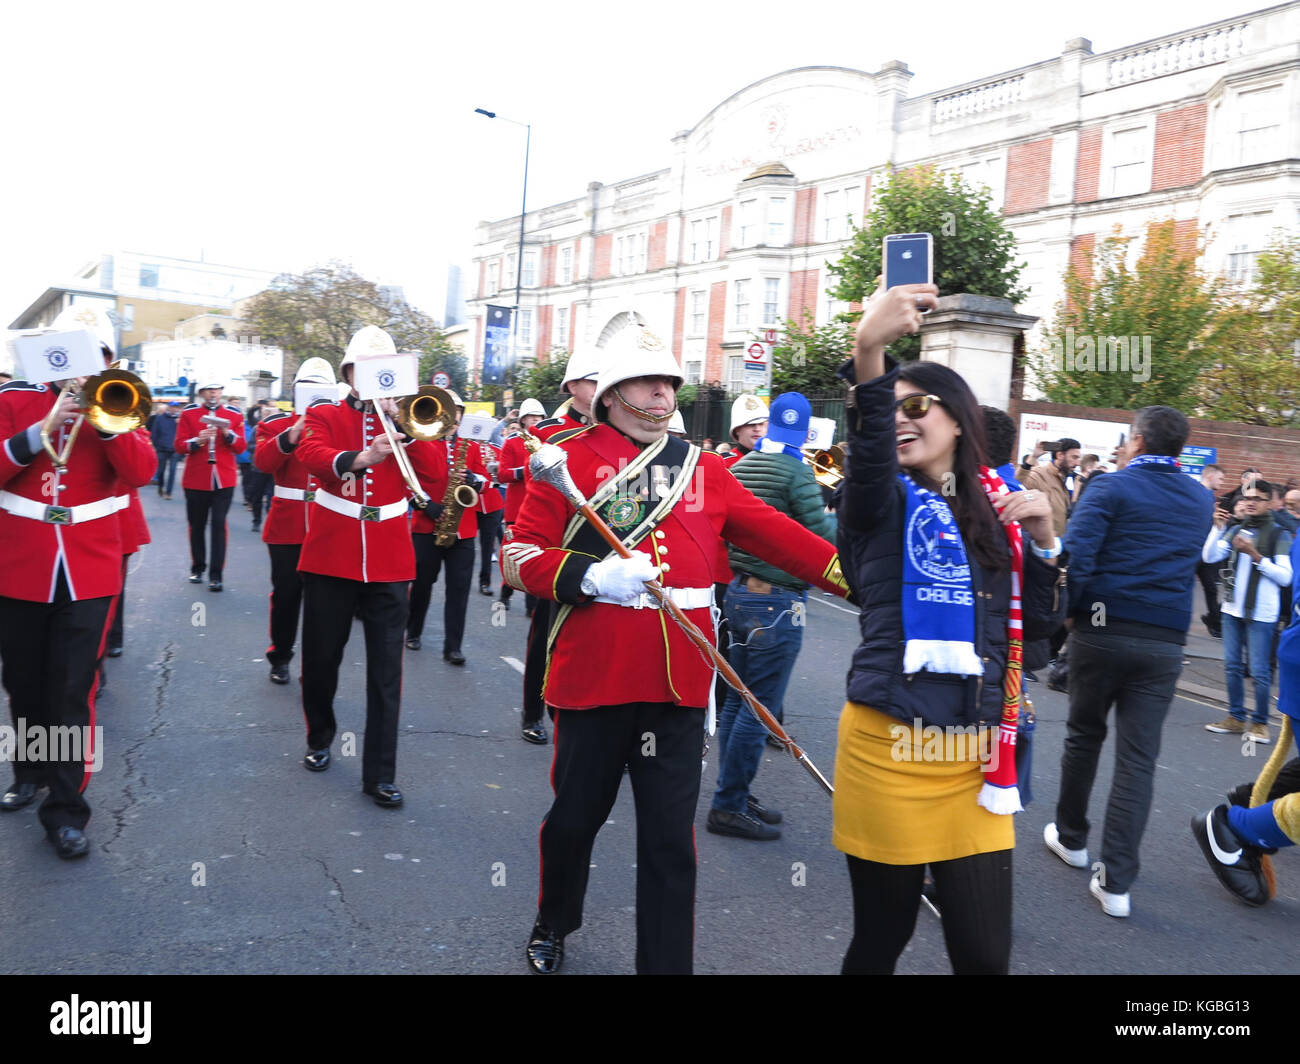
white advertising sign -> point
(1095, 437)
(57, 356)
(476, 426)
(821, 433)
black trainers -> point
(757, 809)
(740, 826)
(1238, 865)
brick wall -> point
(724, 234)
(1029, 170)
(1275, 451)
(577, 259)
(1087, 167)
(805, 201)
(545, 316)
(657, 251)
(803, 294)
(717, 316)
(1180, 147)
(1185, 235)
(600, 260)
(866, 197)
(679, 319)
(482, 280)
(548, 265)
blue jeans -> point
(1256, 637)
(166, 476)
(766, 636)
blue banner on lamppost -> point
(496, 345)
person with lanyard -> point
(1255, 557)
(952, 571)
(580, 376)
(275, 455)
(59, 523)
(457, 554)
(619, 670)
(357, 558)
(210, 435)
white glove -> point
(621, 579)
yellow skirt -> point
(906, 795)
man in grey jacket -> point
(766, 612)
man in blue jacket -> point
(1133, 544)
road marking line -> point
(514, 663)
(831, 605)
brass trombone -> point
(114, 401)
(427, 415)
(828, 465)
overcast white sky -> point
(280, 135)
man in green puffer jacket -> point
(765, 611)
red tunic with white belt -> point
(513, 472)
(290, 505)
(360, 529)
(200, 474)
(51, 517)
(444, 457)
(607, 654)
(490, 500)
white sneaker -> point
(1074, 858)
(1111, 904)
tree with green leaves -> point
(974, 251)
(809, 357)
(542, 381)
(1132, 336)
(1256, 378)
(316, 314)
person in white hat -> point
(748, 426)
(209, 477)
(677, 426)
(617, 674)
(275, 453)
(63, 542)
(357, 557)
(580, 376)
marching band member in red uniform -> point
(278, 436)
(748, 426)
(134, 530)
(491, 509)
(513, 473)
(357, 553)
(580, 377)
(458, 556)
(209, 477)
(61, 525)
(672, 505)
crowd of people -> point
(969, 571)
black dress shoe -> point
(740, 826)
(18, 796)
(535, 733)
(316, 760)
(196, 578)
(114, 652)
(413, 643)
(280, 674)
(545, 950)
(453, 656)
(215, 585)
(484, 589)
(69, 843)
(767, 816)
(384, 794)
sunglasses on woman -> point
(915, 407)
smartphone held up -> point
(908, 258)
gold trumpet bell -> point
(429, 414)
(116, 401)
(828, 465)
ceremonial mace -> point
(551, 465)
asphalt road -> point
(214, 851)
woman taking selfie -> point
(945, 564)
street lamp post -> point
(523, 214)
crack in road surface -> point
(131, 755)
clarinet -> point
(212, 443)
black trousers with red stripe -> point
(50, 653)
(660, 744)
(200, 506)
(286, 600)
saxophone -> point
(456, 500)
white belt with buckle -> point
(21, 506)
(297, 494)
(359, 511)
(685, 598)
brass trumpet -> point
(828, 465)
(114, 401)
